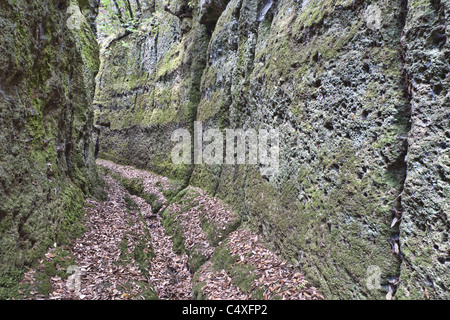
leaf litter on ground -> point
(110, 271)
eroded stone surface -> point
(359, 93)
(47, 75)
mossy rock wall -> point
(147, 87)
(426, 222)
(47, 74)
(344, 83)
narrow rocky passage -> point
(150, 240)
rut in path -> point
(189, 249)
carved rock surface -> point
(359, 93)
(47, 73)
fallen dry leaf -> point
(108, 270)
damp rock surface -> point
(358, 91)
(47, 73)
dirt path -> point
(141, 245)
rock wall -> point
(358, 91)
(47, 73)
(425, 226)
(148, 86)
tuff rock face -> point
(47, 73)
(424, 229)
(359, 93)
